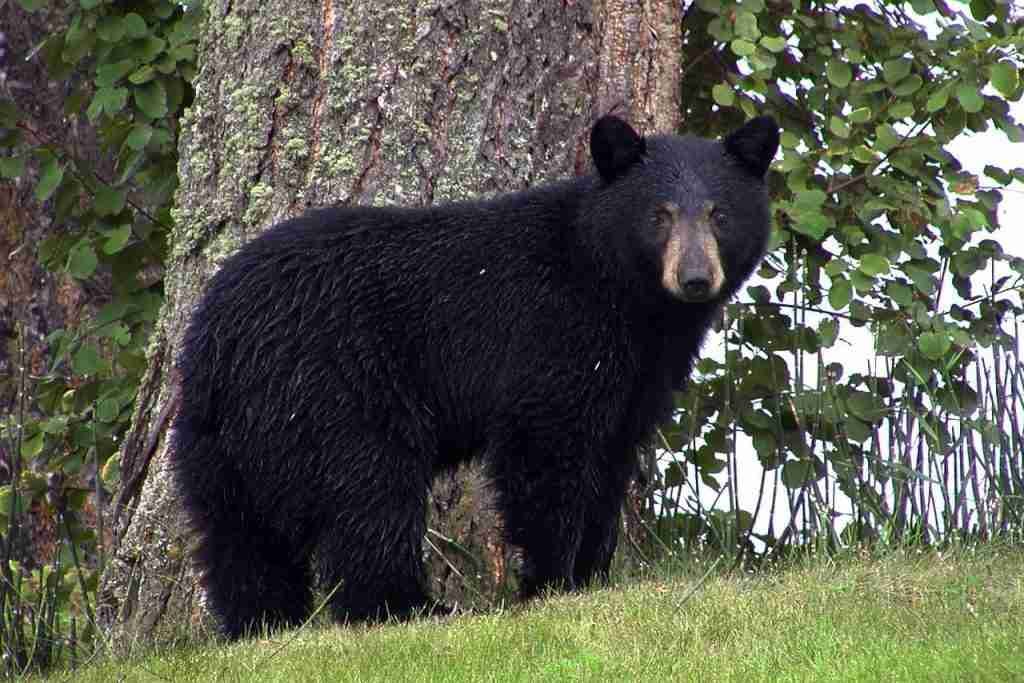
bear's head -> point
(685, 214)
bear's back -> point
(453, 311)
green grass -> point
(904, 617)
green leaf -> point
(862, 283)
(49, 178)
(922, 278)
(110, 73)
(934, 345)
(864, 155)
(7, 499)
(895, 70)
(720, 29)
(967, 262)
(86, 361)
(840, 294)
(112, 311)
(873, 264)
(91, 4)
(723, 94)
(31, 447)
(151, 98)
(839, 127)
(79, 40)
(788, 140)
(836, 266)
(867, 406)
(120, 334)
(892, 339)
(981, 9)
(108, 200)
(900, 293)
(970, 98)
(11, 167)
(796, 473)
(746, 25)
(142, 75)
(839, 73)
(902, 110)
(109, 100)
(810, 200)
(1005, 78)
(107, 410)
(111, 472)
(184, 53)
(908, 86)
(147, 49)
(761, 60)
(135, 26)
(976, 218)
(808, 218)
(812, 224)
(828, 331)
(139, 136)
(886, 137)
(938, 100)
(765, 444)
(110, 29)
(117, 239)
(860, 115)
(32, 5)
(773, 44)
(742, 48)
(82, 260)
(997, 174)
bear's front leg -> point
(550, 542)
(603, 516)
(542, 496)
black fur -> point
(342, 359)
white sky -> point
(978, 150)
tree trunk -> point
(303, 104)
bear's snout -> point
(697, 289)
(691, 265)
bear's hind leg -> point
(369, 558)
(253, 578)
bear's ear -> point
(615, 146)
(754, 144)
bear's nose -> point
(697, 289)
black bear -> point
(342, 359)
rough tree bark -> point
(303, 104)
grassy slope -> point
(925, 617)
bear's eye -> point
(664, 215)
(718, 217)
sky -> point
(992, 147)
